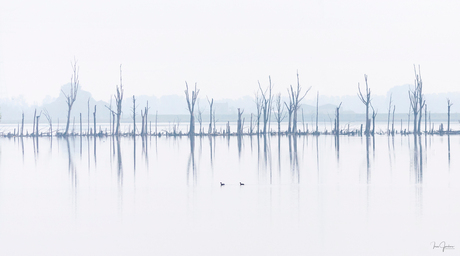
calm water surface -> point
(161, 196)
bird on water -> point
(222, 183)
(241, 183)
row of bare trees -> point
(265, 101)
(267, 105)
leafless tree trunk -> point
(33, 126)
(366, 101)
(337, 118)
(240, 123)
(317, 108)
(94, 120)
(258, 102)
(210, 116)
(290, 109)
(146, 113)
(22, 125)
(425, 118)
(389, 110)
(295, 99)
(266, 101)
(36, 127)
(72, 96)
(118, 101)
(156, 122)
(279, 114)
(393, 122)
(251, 125)
(200, 116)
(449, 104)
(134, 116)
(88, 116)
(48, 117)
(416, 101)
(374, 114)
(142, 123)
(191, 100)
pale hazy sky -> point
(226, 46)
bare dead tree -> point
(417, 101)
(156, 123)
(88, 115)
(317, 108)
(251, 125)
(22, 124)
(366, 100)
(36, 127)
(425, 118)
(393, 122)
(118, 101)
(449, 104)
(258, 101)
(142, 123)
(33, 126)
(279, 113)
(240, 122)
(389, 110)
(289, 109)
(191, 100)
(94, 120)
(211, 102)
(50, 122)
(200, 115)
(134, 116)
(72, 96)
(146, 113)
(374, 114)
(295, 99)
(337, 119)
(266, 102)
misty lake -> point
(302, 195)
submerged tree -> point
(449, 104)
(366, 100)
(294, 102)
(258, 101)
(279, 111)
(337, 119)
(239, 128)
(118, 101)
(211, 102)
(389, 110)
(266, 103)
(72, 95)
(191, 100)
(417, 101)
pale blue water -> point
(98, 197)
